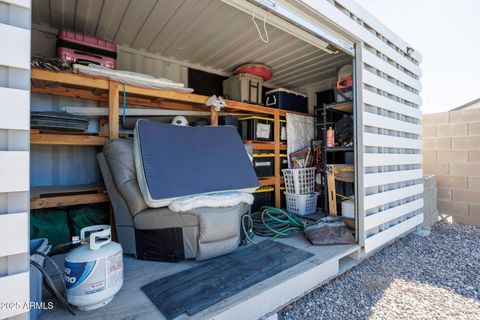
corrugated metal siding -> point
(206, 33)
(392, 200)
(14, 156)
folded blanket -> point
(213, 200)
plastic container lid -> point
(287, 91)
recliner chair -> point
(159, 233)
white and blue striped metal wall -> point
(388, 99)
(14, 156)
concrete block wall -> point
(451, 151)
(430, 210)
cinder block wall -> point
(451, 151)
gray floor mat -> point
(200, 287)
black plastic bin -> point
(286, 100)
(263, 197)
(263, 164)
(283, 198)
(256, 128)
(283, 163)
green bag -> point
(82, 217)
(51, 224)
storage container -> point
(345, 84)
(283, 162)
(302, 204)
(36, 278)
(75, 47)
(263, 197)
(228, 121)
(283, 130)
(283, 200)
(348, 209)
(256, 128)
(263, 164)
(244, 88)
(286, 100)
(299, 181)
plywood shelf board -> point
(57, 196)
(110, 95)
(67, 139)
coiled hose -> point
(271, 222)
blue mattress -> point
(175, 161)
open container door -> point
(387, 99)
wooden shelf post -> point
(276, 148)
(213, 116)
(113, 109)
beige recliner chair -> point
(159, 233)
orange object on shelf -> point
(330, 137)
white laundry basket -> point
(302, 204)
(299, 181)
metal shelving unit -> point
(323, 113)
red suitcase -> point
(75, 47)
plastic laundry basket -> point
(299, 181)
(302, 204)
(36, 278)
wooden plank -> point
(276, 150)
(66, 139)
(113, 109)
(382, 217)
(43, 191)
(69, 200)
(14, 171)
(270, 181)
(15, 289)
(378, 199)
(331, 191)
(15, 233)
(70, 78)
(213, 116)
(15, 109)
(383, 237)
(267, 145)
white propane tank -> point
(94, 271)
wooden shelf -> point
(58, 196)
(80, 86)
(341, 106)
(339, 149)
(61, 139)
(110, 94)
(265, 145)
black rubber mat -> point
(200, 287)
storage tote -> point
(299, 181)
(263, 164)
(283, 162)
(244, 88)
(302, 204)
(283, 130)
(256, 128)
(262, 197)
(286, 100)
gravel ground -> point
(433, 277)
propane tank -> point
(94, 271)
(330, 137)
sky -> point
(447, 34)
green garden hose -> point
(272, 222)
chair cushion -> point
(176, 161)
(119, 155)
